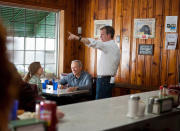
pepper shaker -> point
(150, 105)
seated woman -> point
(34, 74)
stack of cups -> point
(55, 85)
(46, 82)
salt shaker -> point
(141, 109)
(133, 104)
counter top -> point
(105, 114)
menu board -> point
(145, 49)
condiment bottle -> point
(133, 104)
(165, 91)
(160, 91)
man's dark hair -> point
(109, 30)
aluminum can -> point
(48, 113)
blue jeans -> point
(103, 88)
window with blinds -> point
(32, 36)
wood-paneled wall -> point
(149, 71)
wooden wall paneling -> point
(148, 58)
(87, 33)
(164, 52)
(110, 9)
(140, 64)
(157, 44)
(69, 51)
(96, 8)
(163, 60)
(80, 13)
(102, 8)
(93, 53)
(117, 27)
(121, 36)
(126, 35)
(134, 47)
(172, 70)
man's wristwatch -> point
(80, 38)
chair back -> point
(28, 97)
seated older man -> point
(78, 79)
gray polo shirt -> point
(84, 82)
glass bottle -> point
(160, 91)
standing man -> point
(108, 61)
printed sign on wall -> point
(171, 24)
(144, 28)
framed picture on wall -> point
(146, 49)
(144, 28)
(98, 24)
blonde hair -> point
(32, 70)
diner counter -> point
(110, 114)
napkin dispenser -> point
(174, 91)
(49, 89)
(161, 105)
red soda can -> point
(48, 113)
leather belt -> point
(103, 76)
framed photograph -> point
(144, 28)
(98, 24)
(146, 49)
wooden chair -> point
(28, 97)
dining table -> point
(62, 92)
(63, 97)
